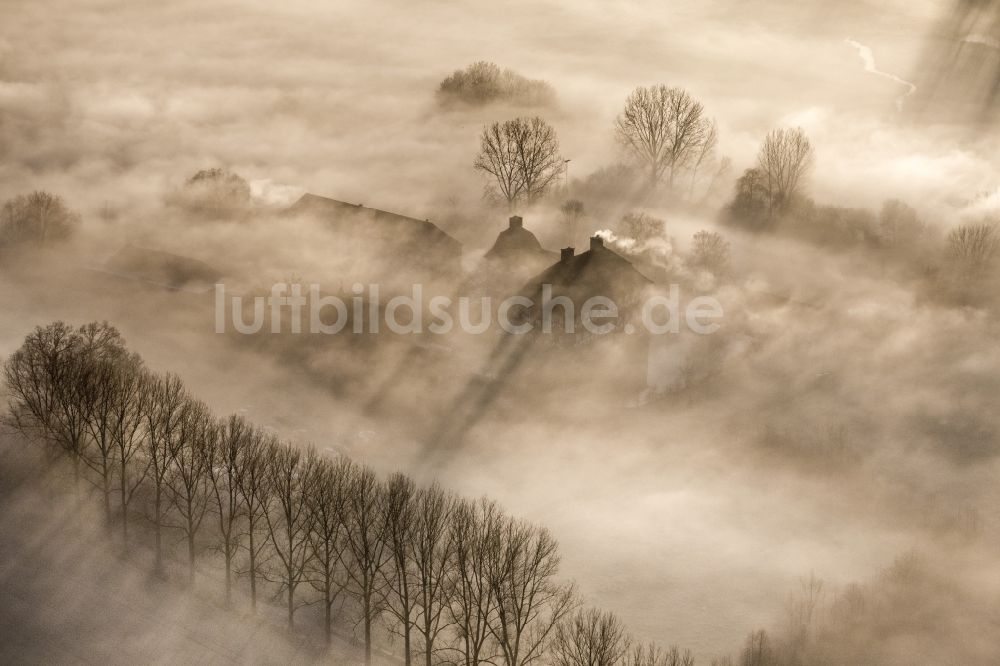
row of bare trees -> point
(455, 580)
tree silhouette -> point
(665, 130)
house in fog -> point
(514, 258)
(372, 243)
(517, 246)
(599, 271)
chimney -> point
(596, 242)
(516, 222)
(566, 253)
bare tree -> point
(190, 455)
(665, 129)
(589, 638)
(710, 252)
(498, 158)
(99, 361)
(704, 156)
(325, 504)
(650, 654)
(757, 650)
(166, 399)
(538, 157)
(41, 377)
(802, 608)
(258, 454)
(401, 575)
(432, 552)
(40, 218)
(367, 547)
(973, 247)
(225, 474)
(522, 156)
(530, 602)
(129, 412)
(289, 479)
(475, 534)
(784, 160)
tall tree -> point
(128, 414)
(289, 481)
(42, 377)
(225, 474)
(190, 456)
(401, 575)
(100, 359)
(259, 453)
(432, 552)
(475, 532)
(784, 160)
(530, 602)
(367, 547)
(166, 400)
(522, 156)
(326, 505)
(665, 130)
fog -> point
(842, 417)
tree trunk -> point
(158, 521)
(368, 627)
(229, 574)
(124, 500)
(427, 637)
(327, 627)
(190, 536)
(76, 479)
(253, 572)
(291, 603)
(106, 479)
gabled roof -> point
(342, 214)
(593, 271)
(517, 241)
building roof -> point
(516, 241)
(390, 226)
(592, 271)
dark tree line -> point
(457, 581)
